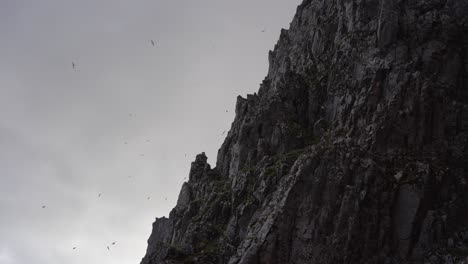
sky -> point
(105, 146)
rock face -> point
(354, 150)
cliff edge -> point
(354, 150)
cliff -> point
(354, 150)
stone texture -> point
(354, 149)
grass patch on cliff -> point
(459, 252)
(300, 132)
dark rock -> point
(354, 151)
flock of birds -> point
(142, 155)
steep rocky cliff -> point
(354, 150)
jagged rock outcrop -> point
(354, 150)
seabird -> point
(99, 195)
(113, 243)
(73, 65)
(43, 206)
(152, 43)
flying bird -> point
(152, 43)
(99, 195)
(108, 248)
(73, 65)
(113, 243)
(223, 132)
(43, 206)
(148, 198)
(263, 30)
(74, 248)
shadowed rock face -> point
(354, 150)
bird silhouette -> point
(263, 30)
(148, 198)
(113, 243)
(223, 132)
(152, 43)
(74, 248)
(43, 206)
(73, 65)
(108, 248)
(99, 195)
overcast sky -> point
(125, 123)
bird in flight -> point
(43, 206)
(263, 30)
(73, 65)
(223, 132)
(99, 195)
(152, 42)
(108, 248)
(148, 198)
(113, 243)
(74, 248)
